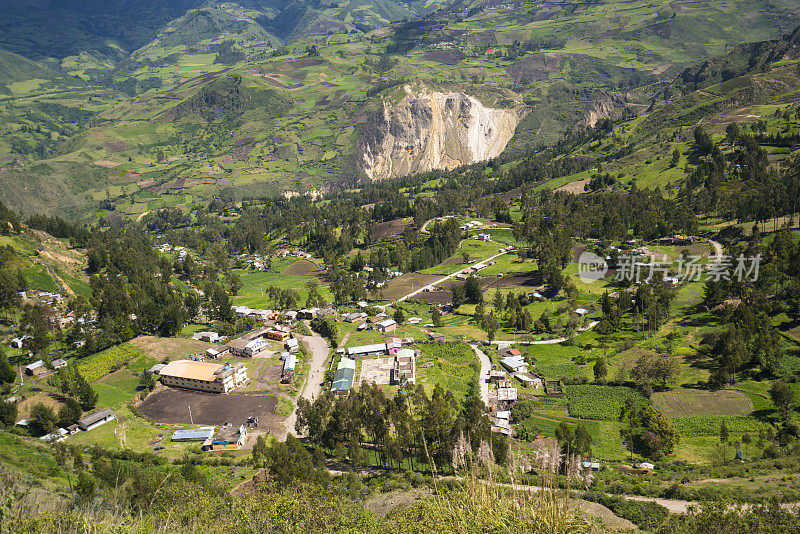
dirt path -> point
(547, 341)
(717, 250)
(483, 380)
(316, 375)
(437, 282)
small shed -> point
(193, 434)
(96, 419)
(387, 325)
(36, 368)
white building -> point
(96, 419)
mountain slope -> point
(49, 28)
(15, 68)
(561, 66)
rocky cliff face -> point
(432, 130)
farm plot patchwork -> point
(710, 425)
(449, 365)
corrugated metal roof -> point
(291, 361)
(346, 363)
(192, 370)
(514, 361)
(343, 380)
(377, 347)
(95, 417)
(198, 434)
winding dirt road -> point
(319, 350)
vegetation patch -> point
(601, 402)
(98, 365)
(710, 425)
(687, 402)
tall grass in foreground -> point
(479, 502)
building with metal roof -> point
(96, 419)
(36, 368)
(193, 434)
(228, 438)
(515, 364)
(203, 376)
(375, 349)
(345, 373)
(404, 367)
(289, 364)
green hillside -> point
(566, 65)
(15, 68)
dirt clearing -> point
(304, 268)
(529, 279)
(173, 348)
(169, 405)
(390, 228)
(403, 285)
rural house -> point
(36, 368)
(229, 438)
(376, 349)
(404, 367)
(515, 364)
(387, 325)
(289, 364)
(96, 419)
(194, 434)
(343, 379)
(247, 348)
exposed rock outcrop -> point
(430, 130)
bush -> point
(645, 514)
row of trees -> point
(410, 430)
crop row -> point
(600, 402)
(710, 425)
(98, 365)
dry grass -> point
(687, 402)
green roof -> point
(343, 380)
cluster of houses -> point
(470, 271)
(84, 424)
(292, 253)
(39, 367)
(398, 369)
(380, 322)
(504, 390)
(392, 347)
(166, 248)
(201, 375)
(470, 225)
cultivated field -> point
(689, 402)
